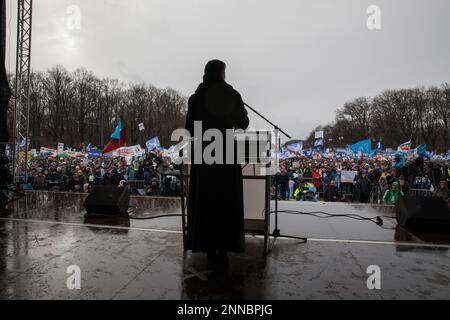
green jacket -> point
(391, 196)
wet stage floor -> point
(45, 233)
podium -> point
(256, 194)
(256, 202)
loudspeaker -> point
(423, 213)
(108, 200)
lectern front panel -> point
(254, 193)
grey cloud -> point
(296, 61)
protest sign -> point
(348, 176)
(152, 144)
(132, 151)
(60, 147)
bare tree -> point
(395, 116)
(77, 107)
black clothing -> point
(283, 184)
(332, 194)
(215, 202)
(363, 189)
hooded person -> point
(215, 201)
(391, 195)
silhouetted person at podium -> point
(215, 201)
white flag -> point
(141, 127)
(318, 135)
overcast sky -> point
(295, 61)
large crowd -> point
(300, 179)
(150, 175)
(362, 180)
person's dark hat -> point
(214, 70)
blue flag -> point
(317, 149)
(23, 143)
(447, 155)
(116, 133)
(94, 153)
(308, 152)
(295, 147)
(282, 155)
(422, 151)
(399, 160)
(318, 142)
(379, 145)
(152, 144)
(360, 146)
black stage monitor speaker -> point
(423, 213)
(108, 200)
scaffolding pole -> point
(22, 90)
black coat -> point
(332, 194)
(215, 201)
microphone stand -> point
(276, 231)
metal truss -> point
(22, 90)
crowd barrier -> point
(136, 184)
(420, 192)
(347, 191)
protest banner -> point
(47, 151)
(348, 176)
(132, 151)
(93, 153)
(404, 146)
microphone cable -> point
(133, 217)
(378, 220)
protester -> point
(333, 193)
(442, 191)
(391, 196)
(363, 187)
(372, 177)
(39, 181)
(291, 188)
(403, 185)
(154, 175)
(283, 185)
(81, 174)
